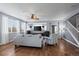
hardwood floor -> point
(62, 49)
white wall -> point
(47, 24)
(77, 22)
(12, 22)
(5, 36)
(0, 28)
(23, 26)
(36, 24)
(4, 29)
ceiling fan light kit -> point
(34, 17)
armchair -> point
(52, 39)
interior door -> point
(53, 28)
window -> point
(9, 29)
(14, 29)
(12, 25)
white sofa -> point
(29, 40)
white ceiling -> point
(45, 11)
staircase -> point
(71, 34)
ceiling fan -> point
(34, 17)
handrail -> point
(72, 36)
(73, 26)
(74, 31)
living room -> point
(38, 29)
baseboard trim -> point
(71, 43)
(6, 43)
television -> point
(37, 28)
